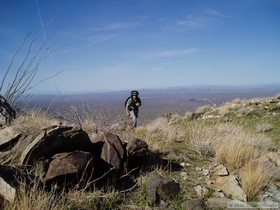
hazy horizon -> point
(156, 102)
(202, 86)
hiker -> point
(132, 106)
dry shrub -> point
(228, 107)
(162, 131)
(171, 135)
(254, 176)
(202, 109)
(160, 123)
(156, 132)
(163, 123)
(189, 115)
(33, 120)
(223, 110)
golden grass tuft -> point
(229, 143)
(236, 153)
(254, 176)
(241, 146)
(31, 198)
(33, 120)
(38, 198)
(140, 131)
(89, 126)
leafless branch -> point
(25, 73)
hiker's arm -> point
(127, 109)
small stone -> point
(205, 172)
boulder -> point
(138, 151)
(55, 140)
(160, 188)
(70, 167)
(154, 179)
(167, 189)
(111, 150)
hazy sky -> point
(139, 44)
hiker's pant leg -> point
(133, 116)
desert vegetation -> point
(201, 150)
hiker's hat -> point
(134, 93)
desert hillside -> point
(215, 157)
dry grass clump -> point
(241, 146)
(223, 110)
(31, 198)
(228, 107)
(38, 198)
(202, 109)
(89, 126)
(80, 199)
(254, 177)
(163, 131)
(188, 115)
(236, 153)
(163, 123)
(33, 120)
(204, 138)
(228, 142)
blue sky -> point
(140, 44)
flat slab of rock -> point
(70, 163)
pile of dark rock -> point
(65, 157)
